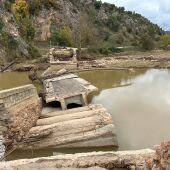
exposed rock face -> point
(163, 152)
(11, 28)
(43, 25)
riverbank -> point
(154, 59)
(140, 160)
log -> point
(61, 118)
(139, 160)
(6, 67)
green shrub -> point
(8, 4)
(36, 5)
(30, 32)
(33, 51)
(147, 43)
(56, 38)
(8, 41)
(165, 41)
(97, 4)
(26, 29)
(62, 37)
(104, 49)
(1, 24)
(113, 23)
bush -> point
(10, 45)
(26, 29)
(20, 9)
(97, 4)
(147, 43)
(33, 51)
(30, 32)
(36, 5)
(165, 41)
(113, 23)
(105, 49)
(1, 24)
(62, 37)
(8, 41)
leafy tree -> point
(165, 40)
(26, 29)
(151, 30)
(30, 32)
(113, 23)
(147, 43)
(121, 9)
(1, 24)
(56, 38)
(34, 6)
(66, 36)
(20, 9)
(97, 4)
(62, 37)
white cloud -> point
(158, 11)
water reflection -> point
(14, 79)
(140, 111)
(138, 100)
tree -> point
(20, 9)
(30, 32)
(66, 35)
(62, 37)
(1, 24)
(147, 43)
(165, 40)
(113, 23)
(98, 4)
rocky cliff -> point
(85, 23)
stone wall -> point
(16, 95)
(19, 111)
(4, 118)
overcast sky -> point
(158, 11)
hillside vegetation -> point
(100, 27)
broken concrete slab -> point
(139, 160)
(91, 128)
(67, 89)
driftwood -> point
(6, 67)
(134, 160)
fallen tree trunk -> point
(6, 67)
(139, 160)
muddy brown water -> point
(138, 100)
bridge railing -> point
(16, 95)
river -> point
(138, 100)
